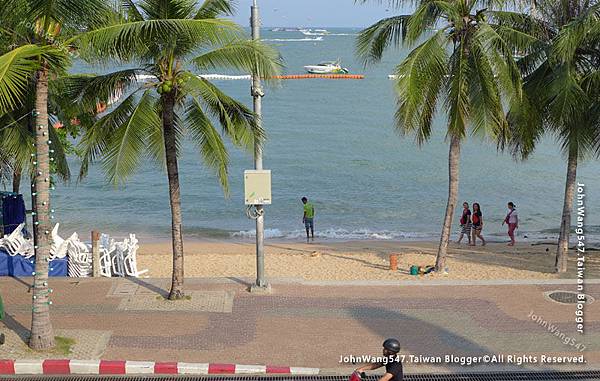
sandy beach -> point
(360, 260)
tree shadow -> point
(416, 336)
(12, 324)
(149, 286)
(19, 280)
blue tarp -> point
(19, 266)
(12, 211)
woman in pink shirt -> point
(512, 220)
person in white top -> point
(512, 220)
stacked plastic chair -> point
(130, 258)
(16, 244)
(80, 258)
(116, 258)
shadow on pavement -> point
(415, 335)
(149, 286)
(12, 324)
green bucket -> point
(414, 270)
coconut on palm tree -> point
(163, 99)
(37, 31)
(459, 64)
(561, 72)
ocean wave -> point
(386, 235)
(336, 234)
(294, 39)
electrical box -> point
(257, 187)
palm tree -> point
(165, 39)
(465, 67)
(561, 82)
(40, 53)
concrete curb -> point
(53, 367)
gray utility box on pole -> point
(257, 187)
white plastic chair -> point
(12, 242)
(17, 244)
(107, 246)
(117, 259)
(130, 260)
(80, 258)
(59, 245)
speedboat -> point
(316, 32)
(328, 67)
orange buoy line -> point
(326, 76)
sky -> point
(326, 13)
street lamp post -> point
(257, 94)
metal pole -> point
(257, 94)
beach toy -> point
(414, 270)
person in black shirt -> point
(393, 367)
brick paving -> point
(305, 325)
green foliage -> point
(561, 71)
(163, 37)
(17, 67)
(466, 67)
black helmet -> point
(392, 345)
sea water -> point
(334, 141)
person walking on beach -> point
(477, 225)
(512, 220)
(465, 223)
(308, 219)
(393, 365)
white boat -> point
(328, 67)
(316, 32)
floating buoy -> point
(326, 76)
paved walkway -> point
(310, 325)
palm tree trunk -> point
(174, 195)
(42, 334)
(453, 173)
(16, 183)
(565, 225)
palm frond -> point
(209, 141)
(96, 138)
(487, 113)
(59, 156)
(574, 33)
(126, 146)
(238, 122)
(17, 141)
(132, 11)
(567, 98)
(526, 129)
(252, 57)
(73, 14)
(374, 40)
(132, 39)
(87, 90)
(167, 9)
(214, 8)
(427, 15)
(16, 70)
(457, 101)
(420, 79)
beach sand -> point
(360, 260)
